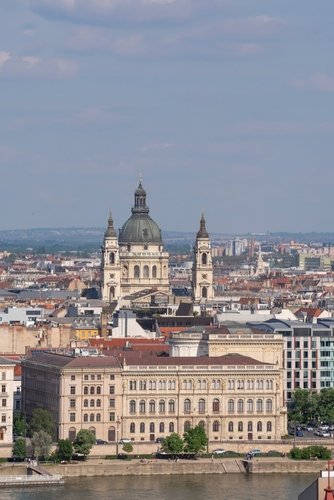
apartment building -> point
(144, 397)
(7, 387)
(308, 353)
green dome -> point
(140, 228)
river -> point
(190, 487)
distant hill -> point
(91, 238)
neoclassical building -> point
(135, 262)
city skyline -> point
(222, 106)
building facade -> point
(146, 397)
(7, 386)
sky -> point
(221, 106)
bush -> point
(320, 452)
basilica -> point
(135, 263)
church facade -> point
(135, 263)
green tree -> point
(195, 439)
(41, 443)
(127, 447)
(326, 405)
(173, 444)
(65, 449)
(304, 406)
(19, 448)
(19, 426)
(84, 441)
(42, 420)
(309, 452)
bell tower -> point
(202, 272)
(111, 268)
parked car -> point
(101, 441)
(219, 451)
(299, 434)
(325, 434)
(125, 441)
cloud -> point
(317, 81)
(156, 146)
(31, 65)
(118, 11)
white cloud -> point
(317, 81)
(157, 146)
(30, 65)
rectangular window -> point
(3, 376)
(85, 377)
(112, 403)
(72, 377)
(72, 417)
(99, 377)
(72, 403)
(4, 403)
(305, 364)
(72, 389)
(288, 365)
(3, 418)
(305, 354)
(112, 416)
(112, 377)
(111, 389)
(288, 354)
(314, 354)
(92, 377)
(3, 388)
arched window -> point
(240, 405)
(204, 258)
(162, 406)
(269, 427)
(92, 390)
(161, 427)
(201, 423)
(154, 271)
(142, 427)
(152, 385)
(92, 430)
(269, 406)
(187, 406)
(171, 406)
(250, 427)
(85, 417)
(146, 272)
(142, 385)
(142, 406)
(72, 434)
(98, 403)
(240, 427)
(151, 406)
(187, 426)
(215, 426)
(259, 426)
(259, 405)
(111, 434)
(250, 406)
(85, 389)
(98, 389)
(136, 272)
(132, 428)
(230, 406)
(98, 417)
(132, 406)
(86, 403)
(204, 292)
(112, 258)
(230, 427)
(215, 405)
(201, 406)
(152, 427)
(171, 427)
(91, 417)
(92, 403)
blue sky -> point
(221, 105)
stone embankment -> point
(161, 467)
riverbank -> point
(98, 468)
